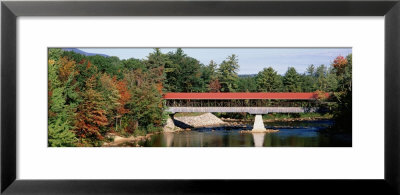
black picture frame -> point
(10, 10)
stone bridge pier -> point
(170, 126)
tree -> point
(310, 70)
(227, 74)
(321, 75)
(124, 95)
(212, 66)
(145, 105)
(291, 80)
(309, 81)
(90, 117)
(268, 80)
(186, 73)
(61, 111)
(208, 75)
(343, 114)
(156, 64)
(132, 64)
(331, 80)
(343, 68)
(110, 96)
(214, 86)
(67, 67)
(247, 84)
(60, 134)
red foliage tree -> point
(340, 63)
(215, 86)
(125, 96)
(90, 117)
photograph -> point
(199, 97)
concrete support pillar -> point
(170, 126)
(258, 124)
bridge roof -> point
(225, 96)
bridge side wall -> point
(250, 110)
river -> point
(291, 134)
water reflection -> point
(168, 139)
(295, 134)
(258, 139)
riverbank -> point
(118, 140)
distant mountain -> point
(83, 53)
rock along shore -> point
(204, 120)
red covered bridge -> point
(243, 96)
(252, 103)
(255, 100)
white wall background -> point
(365, 160)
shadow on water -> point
(291, 134)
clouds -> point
(251, 60)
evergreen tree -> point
(60, 114)
(60, 134)
(227, 74)
(208, 75)
(268, 80)
(247, 84)
(331, 80)
(321, 74)
(291, 80)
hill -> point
(83, 52)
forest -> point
(90, 96)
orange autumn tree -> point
(124, 98)
(90, 115)
(67, 67)
(320, 95)
(340, 64)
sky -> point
(251, 60)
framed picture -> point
(173, 96)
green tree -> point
(321, 76)
(227, 74)
(268, 80)
(343, 96)
(310, 70)
(186, 75)
(145, 105)
(60, 134)
(309, 82)
(208, 75)
(331, 80)
(291, 80)
(61, 113)
(247, 84)
(110, 95)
